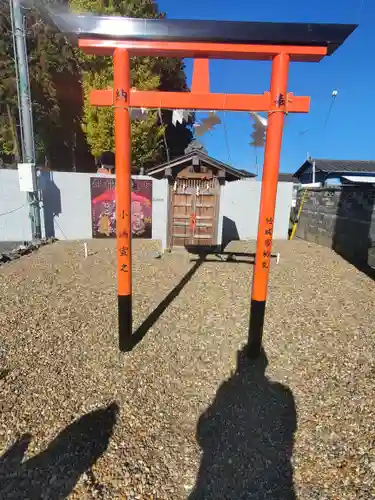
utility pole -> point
(25, 109)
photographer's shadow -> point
(246, 437)
(54, 472)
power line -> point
(256, 160)
(11, 211)
(57, 224)
(360, 9)
(333, 99)
(326, 118)
(361, 4)
(226, 138)
(164, 136)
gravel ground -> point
(184, 415)
(7, 246)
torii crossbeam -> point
(280, 43)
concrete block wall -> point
(342, 218)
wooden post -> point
(121, 97)
(201, 76)
(276, 116)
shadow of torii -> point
(201, 257)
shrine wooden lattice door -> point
(194, 212)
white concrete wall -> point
(66, 208)
(66, 198)
(15, 224)
(66, 205)
(239, 210)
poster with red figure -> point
(103, 207)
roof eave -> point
(303, 167)
(215, 163)
(349, 172)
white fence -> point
(66, 208)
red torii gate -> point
(280, 43)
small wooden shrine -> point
(194, 195)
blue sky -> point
(351, 69)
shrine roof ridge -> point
(178, 30)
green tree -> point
(147, 73)
(9, 137)
(57, 94)
(67, 129)
(53, 68)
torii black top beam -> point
(231, 32)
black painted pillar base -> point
(125, 322)
(254, 343)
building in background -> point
(324, 172)
(284, 177)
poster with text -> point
(103, 207)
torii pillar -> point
(280, 43)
